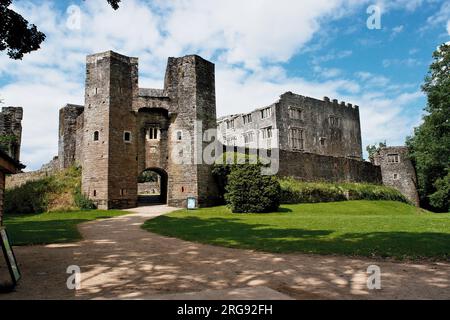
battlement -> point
(326, 100)
(93, 58)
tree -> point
(430, 144)
(373, 149)
(18, 36)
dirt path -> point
(120, 260)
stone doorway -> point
(152, 186)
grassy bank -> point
(294, 191)
(359, 228)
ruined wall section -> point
(67, 145)
(11, 130)
(398, 171)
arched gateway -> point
(152, 186)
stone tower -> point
(190, 86)
(11, 130)
(398, 171)
(109, 158)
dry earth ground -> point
(119, 260)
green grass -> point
(51, 227)
(356, 228)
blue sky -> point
(261, 49)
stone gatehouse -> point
(123, 131)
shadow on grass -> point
(233, 233)
(43, 232)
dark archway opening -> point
(152, 186)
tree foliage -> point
(430, 144)
(373, 149)
(18, 36)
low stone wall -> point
(16, 180)
(148, 188)
(313, 167)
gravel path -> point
(120, 260)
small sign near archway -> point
(191, 203)
(9, 256)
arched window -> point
(96, 136)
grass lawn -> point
(360, 228)
(52, 227)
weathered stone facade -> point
(68, 126)
(11, 130)
(398, 171)
(303, 124)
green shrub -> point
(81, 201)
(248, 191)
(31, 197)
(294, 191)
(221, 170)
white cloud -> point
(397, 30)
(409, 62)
(448, 27)
(440, 18)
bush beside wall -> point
(248, 191)
(58, 192)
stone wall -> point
(18, 179)
(398, 171)
(314, 167)
(148, 188)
